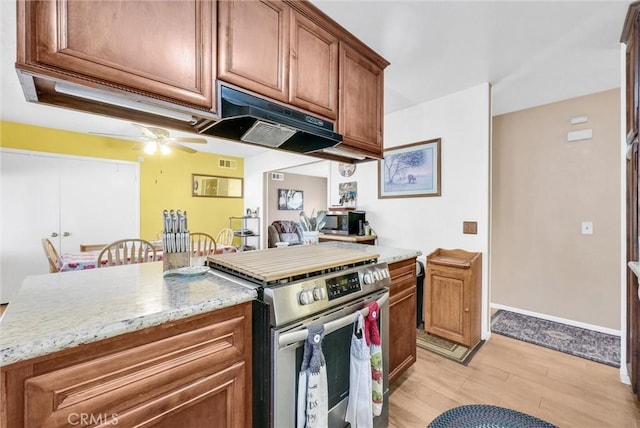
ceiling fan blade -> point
(194, 140)
(150, 132)
(128, 137)
(181, 147)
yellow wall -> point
(165, 181)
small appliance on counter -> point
(344, 222)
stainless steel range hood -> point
(255, 120)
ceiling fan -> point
(158, 139)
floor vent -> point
(277, 176)
(227, 163)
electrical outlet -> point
(587, 228)
(470, 227)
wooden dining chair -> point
(202, 244)
(91, 247)
(125, 252)
(225, 237)
(55, 262)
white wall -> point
(462, 121)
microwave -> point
(347, 222)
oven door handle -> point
(286, 339)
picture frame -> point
(410, 171)
(216, 186)
(290, 200)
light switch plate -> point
(587, 228)
(470, 227)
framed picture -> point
(289, 199)
(410, 171)
(214, 186)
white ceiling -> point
(532, 52)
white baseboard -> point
(598, 328)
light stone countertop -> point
(387, 254)
(57, 311)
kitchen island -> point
(126, 346)
(97, 341)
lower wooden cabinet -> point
(402, 317)
(193, 372)
(453, 295)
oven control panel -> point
(299, 299)
(343, 285)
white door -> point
(69, 200)
(98, 202)
(30, 211)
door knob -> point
(54, 235)
(66, 234)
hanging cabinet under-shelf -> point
(75, 41)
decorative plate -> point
(188, 271)
(346, 169)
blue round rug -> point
(485, 416)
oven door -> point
(287, 348)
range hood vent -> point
(255, 120)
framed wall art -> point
(410, 171)
(289, 199)
(214, 186)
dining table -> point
(82, 260)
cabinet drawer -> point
(405, 267)
(134, 383)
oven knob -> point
(319, 293)
(368, 278)
(376, 275)
(305, 297)
(384, 273)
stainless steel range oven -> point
(299, 286)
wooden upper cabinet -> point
(162, 49)
(361, 102)
(253, 50)
(269, 48)
(313, 81)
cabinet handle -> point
(66, 234)
(466, 309)
(54, 235)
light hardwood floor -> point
(564, 390)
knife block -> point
(172, 261)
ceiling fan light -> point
(150, 147)
(164, 149)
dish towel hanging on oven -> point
(372, 334)
(313, 401)
(359, 410)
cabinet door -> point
(313, 82)
(361, 102)
(253, 50)
(195, 379)
(164, 48)
(633, 80)
(402, 317)
(447, 311)
(402, 341)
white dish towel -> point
(359, 408)
(313, 401)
